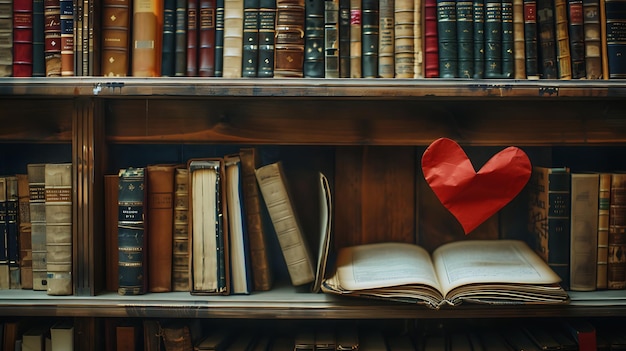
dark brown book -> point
(160, 179)
(115, 37)
(262, 275)
(289, 46)
(153, 336)
(26, 249)
(22, 38)
(126, 338)
(192, 38)
(52, 37)
(111, 183)
(206, 38)
(617, 233)
(176, 336)
(180, 254)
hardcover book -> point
(192, 38)
(131, 240)
(447, 34)
(530, 39)
(331, 38)
(12, 228)
(26, 249)
(37, 202)
(147, 29)
(518, 39)
(493, 39)
(289, 45)
(592, 39)
(39, 62)
(219, 38)
(313, 65)
(62, 336)
(180, 259)
(206, 38)
(575, 21)
(344, 38)
(233, 38)
(584, 227)
(615, 15)
(604, 202)
(115, 38)
(355, 38)
(617, 233)
(67, 37)
(250, 50)
(386, 39)
(465, 38)
(180, 39)
(4, 258)
(454, 273)
(564, 56)
(58, 188)
(6, 38)
(404, 43)
(22, 38)
(369, 38)
(548, 65)
(508, 40)
(168, 51)
(431, 40)
(52, 37)
(267, 30)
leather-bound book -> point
(168, 52)
(592, 39)
(530, 39)
(180, 254)
(548, 68)
(219, 37)
(418, 38)
(37, 202)
(250, 50)
(493, 39)
(465, 38)
(518, 40)
(404, 43)
(448, 43)
(22, 38)
(479, 38)
(12, 227)
(604, 203)
(313, 66)
(233, 38)
(39, 61)
(616, 269)
(262, 274)
(331, 38)
(111, 209)
(152, 335)
(344, 38)
(206, 38)
(26, 249)
(4, 259)
(67, 37)
(564, 56)
(369, 38)
(386, 41)
(615, 14)
(132, 268)
(6, 38)
(147, 29)
(576, 37)
(289, 45)
(52, 37)
(160, 214)
(267, 40)
(58, 187)
(355, 38)
(192, 38)
(508, 56)
(180, 39)
(431, 40)
(127, 337)
(584, 228)
(115, 38)
(176, 336)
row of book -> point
(551, 39)
(36, 229)
(30, 335)
(577, 221)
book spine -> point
(564, 57)
(147, 28)
(604, 202)
(493, 39)
(67, 37)
(250, 44)
(576, 37)
(115, 38)
(584, 231)
(192, 38)
(206, 37)
(479, 38)
(331, 38)
(404, 42)
(219, 38)
(344, 38)
(39, 61)
(592, 39)
(78, 39)
(267, 40)
(37, 206)
(168, 52)
(313, 65)
(180, 49)
(616, 268)
(355, 38)
(615, 14)
(26, 249)
(465, 38)
(58, 202)
(160, 224)
(431, 40)
(131, 238)
(508, 55)
(518, 40)
(369, 38)
(418, 38)
(530, 39)
(52, 37)
(289, 45)
(233, 38)
(180, 273)
(22, 38)
(6, 38)
(447, 32)
(13, 246)
(386, 35)
(4, 256)
(547, 39)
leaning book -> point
(481, 271)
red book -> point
(431, 41)
(206, 37)
(22, 38)
(192, 38)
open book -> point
(482, 271)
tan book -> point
(58, 188)
(62, 336)
(519, 50)
(147, 29)
(617, 231)
(584, 231)
(26, 249)
(233, 38)
(386, 41)
(36, 184)
(404, 31)
(604, 200)
(563, 53)
(292, 240)
(160, 226)
(180, 255)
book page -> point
(490, 261)
(326, 210)
(384, 265)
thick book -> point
(447, 34)
(355, 38)
(369, 38)
(176, 336)
(147, 29)
(160, 214)
(615, 15)
(549, 217)
(62, 336)
(262, 273)
(12, 230)
(22, 38)
(604, 202)
(6, 38)
(115, 29)
(531, 41)
(584, 230)
(386, 39)
(546, 36)
(250, 49)
(111, 248)
(67, 37)
(206, 37)
(24, 235)
(291, 237)
(233, 38)
(576, 32)
(289, 44)
(497, 272)
(131, 238)
(192, 38)
(405, 22)
(208, 219)
(37, 207)
(168, 50)
(267, 30)
(4, 257)
(616, 269)
(431, 40)
(564, 56)
(592, 39)
(313, 65)
(465, 38)
(518, 40)
(180, 254)
(34, 338)
(180, 39)
(58, 188)
(331, 38)
(493, 39)
(52, 37)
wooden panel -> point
(42, 120)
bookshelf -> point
(94, 120)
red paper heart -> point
(472, 197)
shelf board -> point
(288, 303)
(378, 88)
